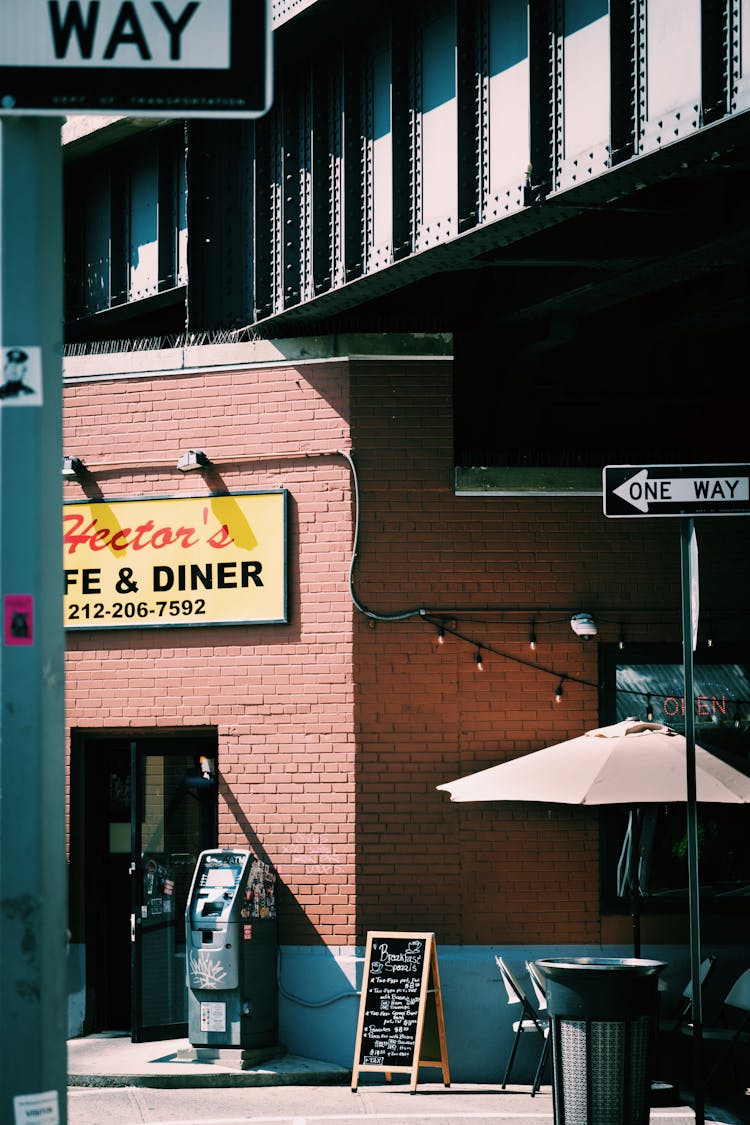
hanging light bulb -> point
(532, 637)
(559, 692)
(649, 709)
(478, 658)
(441, 636)
(621, 639)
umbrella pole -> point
(635, 888)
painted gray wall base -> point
(319, 1000)
(318, 1004)
(76, 989)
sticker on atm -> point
(213, 1016)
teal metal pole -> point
(33, 871)
(688, 556)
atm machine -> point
(232, 944)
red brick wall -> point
(335, 729)
(279, 695)
(488, 873)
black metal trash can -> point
(603, 1017)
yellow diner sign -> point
(209, 560)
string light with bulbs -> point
(482, 649)
(443, 620)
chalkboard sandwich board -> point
(400, 1025)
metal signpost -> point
(33, 875)
(649, 491)
(177, 59)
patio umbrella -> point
(631, 763)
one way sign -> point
(676, 490)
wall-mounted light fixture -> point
(72, 467)
(193, 459)
(583, 625)
(201, 777)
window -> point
(651, 680)
(543, 411)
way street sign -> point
(676, 490)
(138, 58)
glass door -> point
(173, 819)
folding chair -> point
(528, 1021)
(539, 985)
(731, 1028)
(684, 1012)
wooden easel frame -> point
(429, 989)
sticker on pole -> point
(22, 376)
(18, 619)
(41, 1109)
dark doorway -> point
(142, 810)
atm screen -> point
(219, 877)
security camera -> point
(583, 625)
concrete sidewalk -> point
(113, 1060)
(113, 1081)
